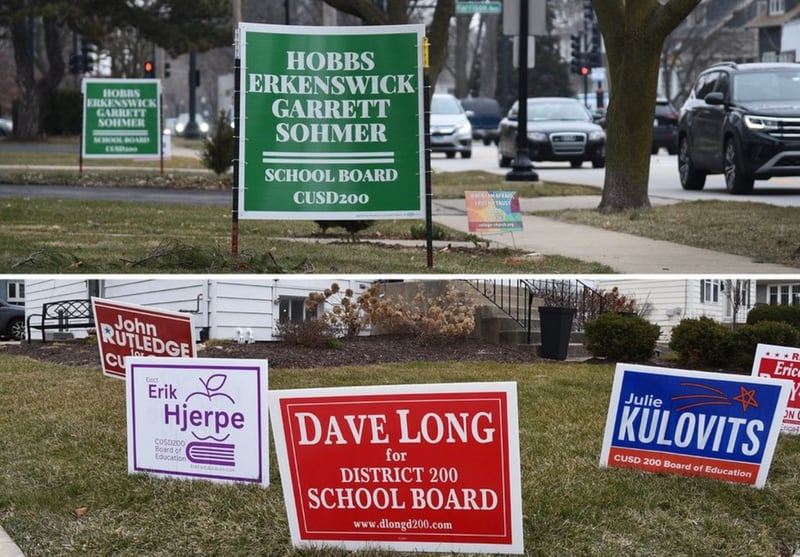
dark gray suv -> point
(743, 121)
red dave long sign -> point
(410, 468)
(131, 330)
(782, 362)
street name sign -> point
(406, 467)
(331, 122)
(121, 118)
(476, 7)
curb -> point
(7, 546)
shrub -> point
(621, 337)
(782, 313)
(747, 337)
(345, 316)
(218, 148)
(445, 315)
(702, 342)
(311, 332)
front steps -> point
(491, 323)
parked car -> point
(743, 121)
(450, 129)
(183, 119)
(559, 129)
(665, 127)
(12, 321)
(6, 127)
(484, 114)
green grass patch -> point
(765, 233)
(58, 236)
(452, 185)
(64, 487)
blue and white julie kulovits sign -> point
(694, 423)
(200, 418)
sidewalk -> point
(625, 253)
(7, 546)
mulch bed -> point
(354, 351)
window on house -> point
(776, 7)
(15, 292)
(293, 308)
(787, 294)
(709, 291)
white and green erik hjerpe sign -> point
(331, 122)
(121, 118)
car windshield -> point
(767, 86)
(557, 110)
(445, 105)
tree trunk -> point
(489, 42)
(461, 71)
(634, 34)
(26, 125)
(630, 129)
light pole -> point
(521, 166)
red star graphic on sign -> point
(747, 397)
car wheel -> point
(598, 163)
(691, 178)
(451, 154)
(16, 329)
(504, 161)
(736, 181)
(576, 163)
(487, 141)
(466, 154)
(654, 150)
(672, 149)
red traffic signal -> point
(584, 70)
(149, 69)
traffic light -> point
(595, 50)
(149, 68)
(584, 71)
(588, 12)
(75, 64)
(166, 69)
(88, 55)
(576, 61)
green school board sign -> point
(121, 118)
(331, 122)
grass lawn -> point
(761, 231)
(64, 487)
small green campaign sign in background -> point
(331, 122)
(121, 118)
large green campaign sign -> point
(331, 122)
(121, 118)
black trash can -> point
(556, 326)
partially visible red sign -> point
(412, 468)
(131, 330)
(782, 362)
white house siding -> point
(669, 299)
(222, 307)
(675, 299)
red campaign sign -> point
(131, 330)
(782, 362)
(416, 467)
